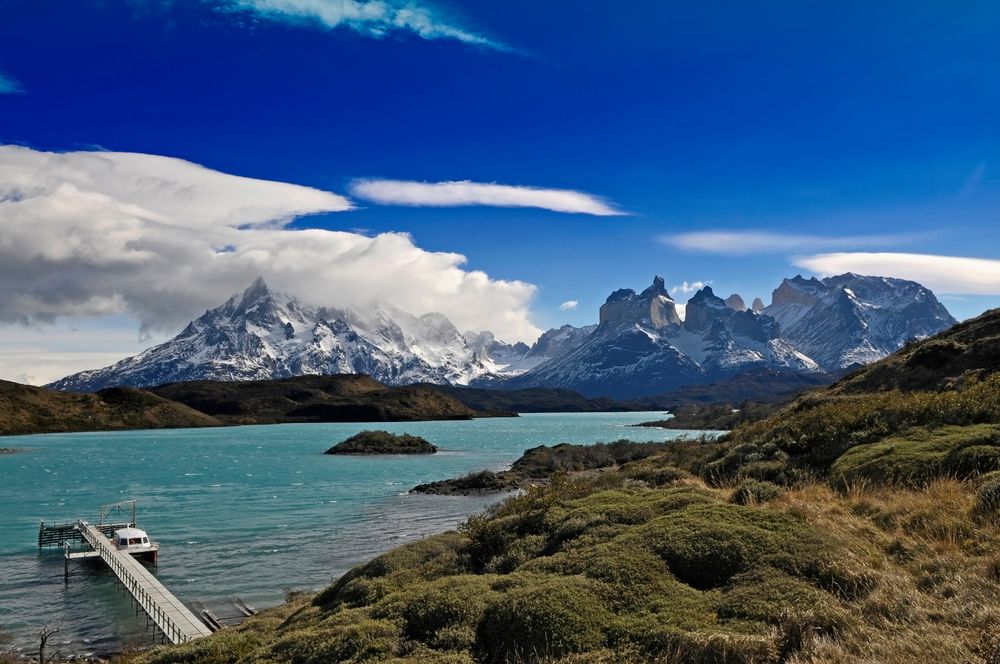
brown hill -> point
(25, 410)
(340, 398)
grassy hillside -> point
(759, 385)
(25, 410)
(969, 349)
(851, 526)
(340, 398)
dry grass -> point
(935, 568)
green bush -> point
(770, 595)
(750, 492)
(445, 613)
(426, 559)
(542, 617)
(922, 454)
(705, 545)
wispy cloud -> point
(375, 18)
(569, 305)
(766, 242)
(943, 274)
(463, 192)
(9, 86)
(689, 287)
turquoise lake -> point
(243, 512)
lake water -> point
(241, 512)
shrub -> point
(542, 617)
(653, 475)
(770, 595)
(445, 613)
(706, 545)
(750, 492)
(921, 455)
(428, 558)
(988, 496)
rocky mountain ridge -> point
(640, 347)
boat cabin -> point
(135, 542)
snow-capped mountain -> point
(504, 360)
(852, 319)
(261, 334)
(641, 346)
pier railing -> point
(176, 622)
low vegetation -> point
(382, 442)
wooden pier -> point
(174, 620)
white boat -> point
(136, 542)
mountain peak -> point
(653, 305)
(657, 288)
(255, 291)
(736, 302)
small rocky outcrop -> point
(382, 442)
(474, 484)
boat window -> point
(123, 542)
(145, 540)
(134, 540)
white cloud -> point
(161, 239)
(689, 287)
(9, 86)
(376, 18)
(568, 305)
(765, 242)
(942, 274)
(458, 193)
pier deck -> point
(169, 614)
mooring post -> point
(66, 562)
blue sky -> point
(820, 127)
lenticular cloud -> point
(162, 239)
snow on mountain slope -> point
(505, 360)
(642, 347)
(852, 319)
(260, 334)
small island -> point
(382, 442)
